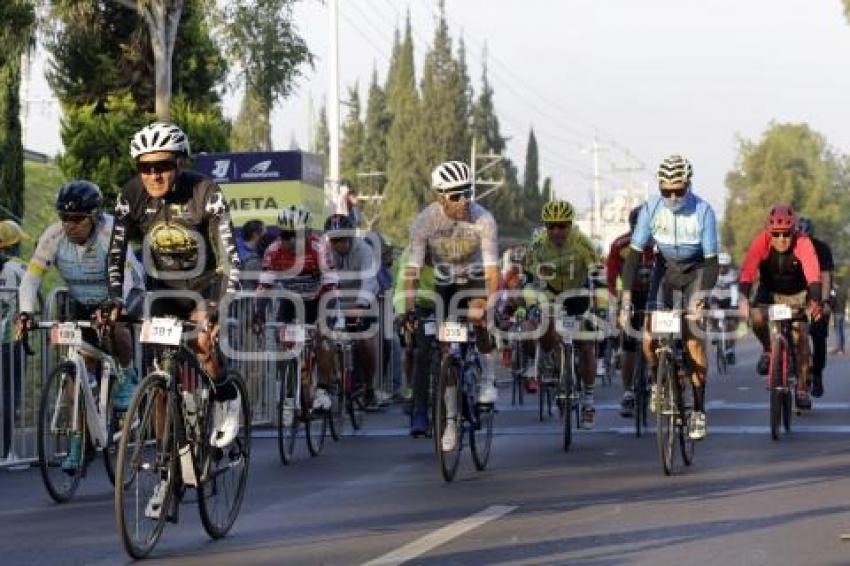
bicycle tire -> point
(686, 443)
(481, 436)
(60, 485)
(113, 431)
(640, 395)
(778, 383)
(336, 419)
(287, 432)
(665, 427)
(235, 458)
(567, 380)
(138, 432)
(787, 409)
(448, 460)
(517, 396)
(315, 422)
(609, 361)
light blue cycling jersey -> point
(684, 237)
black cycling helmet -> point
(806, 226)
(338, 222)
(79, 197)
(633, 217)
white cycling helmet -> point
(159, 136)
(724, 258)
(450, 175)
(293, 218)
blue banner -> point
(257, 167)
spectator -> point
(249, 254)
(11, 351)
(347, 204)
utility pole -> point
(332, 181)
(490, 160)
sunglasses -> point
(464, 194)
(557, 225)
(678, 193)
(73, 218)
(785, 235)
(156, 167)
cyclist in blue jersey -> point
(684, 228)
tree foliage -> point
(17, 26)
(377, 129)
(791, 164)
(353, 135)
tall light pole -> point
(333, 103)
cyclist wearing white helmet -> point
(725, 296)
(684, 228)
(462, 239)
(181, 219)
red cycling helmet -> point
(781, 219)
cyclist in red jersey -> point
(298, 261)
(789, 273)
(640, 289)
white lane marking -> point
(441, 536)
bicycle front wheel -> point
(778, 385)
(225, 470)
(481, 435)
(146, 469)
(449, 459)
(337, 393)
(287, 420)
(665, 432)
(55, 424)
(565, 403)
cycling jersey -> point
(616, 260)
(304, 272)
(192, 215)
(357, 269)
(725, 292)
(786, 273)
(83, 267)
(459, 248)
(685, 238)
(561, 268)
(824, 253)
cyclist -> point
(182, 221)
(639, 295)
(462, 238)
(357, 264)
(78, 246)
(684, 229)
(789, 273)
(819, 329)
(305, 272)
(725, 296)
(512, 306)
(559, 262)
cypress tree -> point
(378, 122)
(351, 150)
(322, 137)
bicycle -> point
(297, 382)
(517, 361)
(460, 366)
(569, 393)
(71, 407)
(168, 446)
(641, 388)
(782, 372)
(671, 411)
(718, 318)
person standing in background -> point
(249, 253)
(839, 306)
(12, 270)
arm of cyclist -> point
(43, 258)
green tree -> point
(322, 137)
(791, 164)
(251, 129)
(378, 122)
(261, 38)
(445, 114)
(353, 136)
(547, 189)
(531, 179)
(17, 28)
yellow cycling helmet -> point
(10, 234)
(557, 211)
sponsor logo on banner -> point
(261, 171)
(220, 169)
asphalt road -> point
(378, 497)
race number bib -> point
(569, 326)
(666, 322)
(453, 332)
(779, 312)
(66, 334)
(294, 333)
(165, 331)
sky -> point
(645, 78)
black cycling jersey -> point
(824, 253)
(782, 273)
(187, 236)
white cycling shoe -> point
(225, 421)
(449, 440)
(154, 506)
(322, 400)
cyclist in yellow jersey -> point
(558, 265)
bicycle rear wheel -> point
(113, 429)
(54, 433)
(337, 393)
(686, 444)
(146, 465)
(609, 361)
(224, 471)
(565, 404)
(287, 418)
(517, 397)
(665, 432)
(786, 410)
(449, 460)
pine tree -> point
(444, 110)
(378, 122)
(401, 77)
(322, 137)
(531, 179)
(251, 130)
(547, 190)
(353, 135)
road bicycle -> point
(782, 371)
